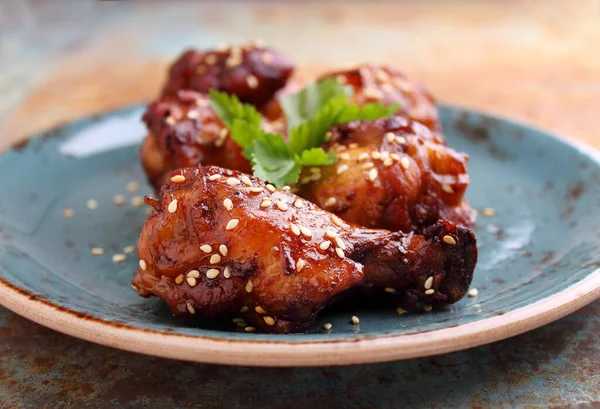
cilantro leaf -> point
(229, 108)
(304, 104)
(315, 157)
(272, 161)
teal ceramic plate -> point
(539, 255)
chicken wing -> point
(252, 72)
(392, 173)
(221, 243)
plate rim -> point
(302, 354)
(275, 353)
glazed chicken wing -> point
(251, 72)
(221, 243)
(392, 173)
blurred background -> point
(535, 60)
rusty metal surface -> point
(533, 60)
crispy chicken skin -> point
(392, 173)
(372, 83)
(250, 71)
(230, 246)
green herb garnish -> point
(310, 114)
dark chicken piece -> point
(220, 243)
(185, 131)
(393, 173)
(383, 84)
(251, 72)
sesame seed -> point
(327, 326)
(267, 58)
(227, 272)
(353, 145)
(172, 208)
(447, 188)
(376, 155)
(405, 163)
(133, 187)
(390, 137)
(190, 308)
(192, 114)
(128, 249)
(342, 168)
(97, 251)
(179, 279)
(295, 229)
(449, 239)
(428, 283)
(252, 81)
(340, 253)
(373, 174)
(119, 200)
(488, 212)
(400, 310)
(427, 307)
(331, 234)
(305, 232)
(286, 188)
(234, 60)
(388, 162)
(212, 273)
(233, 181)
(260, 310)
(246, 180)
(336, 220)
(400, 140)
(178, 179)
(355, 320)
(330, 202)
(137, 201)
(193, 273)
(92, 204)
(232, 224)
(223, 249)
(118, 258)
(170, 120)
(134, 288)
(206, 248)
(390, 290)
(281, 205)
(344, 156)
(250, 329)
(340, 243)
(249, 286)
(143, 265)
(191, 281)
(298, 204)
(210, 59)
(300, 264)
(270, 188)
(473, 292)
(324, 245)
(269, 320)
(228, 203)
(430, 291)
(244, 309)
(266, 202)
(363, 156)
(215, 258)
(214, 177)
(256, 189)
(368, 165)
(237, 320)
(395, 156)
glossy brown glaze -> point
(250, 71)
(372, 83)
(392, 173)
(230, 246)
